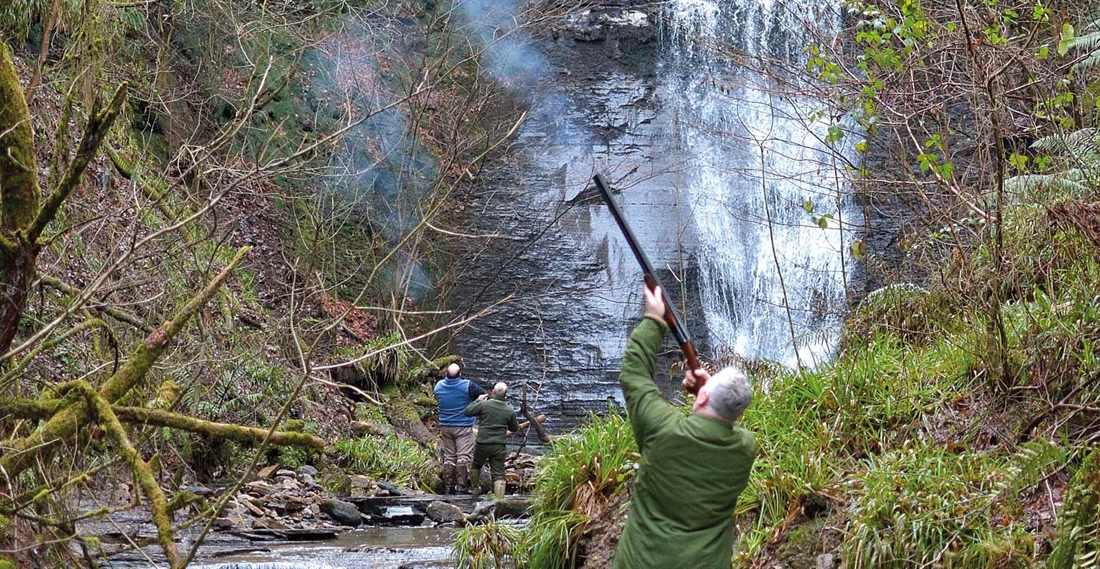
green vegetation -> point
(388, 458)
(488, 546)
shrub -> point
(572, 485)
(488, 546)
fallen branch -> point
(75, 414)
(37, 409)
(105, 417)
(123, 316)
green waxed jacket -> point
(496, 418)
(693, 468)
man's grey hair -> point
(453, 370)
(729, 394)
(500, 389)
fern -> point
(1079, 151)
(1078, 539)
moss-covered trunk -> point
(19, 200)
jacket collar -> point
(497, 397)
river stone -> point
(442, 512)
(307, 470)
(342, 512)
(287, 472)
(390, 488)
(401, 516)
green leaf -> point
(822, 222)
(859, 250)
(1043, 53)
(1067, 39)
(1019, 161)
(861, 146)
(808, 206)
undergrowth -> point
(389, 458)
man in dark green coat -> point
(693, 466)
(496, 419)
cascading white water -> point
(754, 165)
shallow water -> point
(374, 548)
(371, 548)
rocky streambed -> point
(286, 519)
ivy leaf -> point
(822, 222)
(808, 206)
(1019, 161)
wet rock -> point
(506, 508)
(307, 470)
(306, 480)
(393, 491)
(442, 512)
(268, 471)
(287, 472)
(199, 491)
(223, 523)
(827, 561)
(268, 523)
(597, 25)
(401, 516)
(342, 512)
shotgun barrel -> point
(672, 318)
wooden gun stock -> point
(672, 318)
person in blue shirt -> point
(454, 393)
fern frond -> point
(1072, 181)
(1081, 145)
(1090, 63)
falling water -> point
(760, 179)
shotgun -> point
(651, 282)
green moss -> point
(21, 195)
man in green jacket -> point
(693, 466)
(496, 419)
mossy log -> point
(65, 423)
(404, 416)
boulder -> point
(342, 512)
(286, 472)
(442, 512)
(827, 561)
(307, 470)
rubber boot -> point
(498, 489)
(475, 481)
(448, 479)
(461, 472)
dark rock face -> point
(342, 512)
(633, 96)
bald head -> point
(726, 395)
(500, 389)
(453, 370)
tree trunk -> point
(17, 269)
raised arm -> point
(647, 408)
(473, 409)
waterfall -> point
(762, 183)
